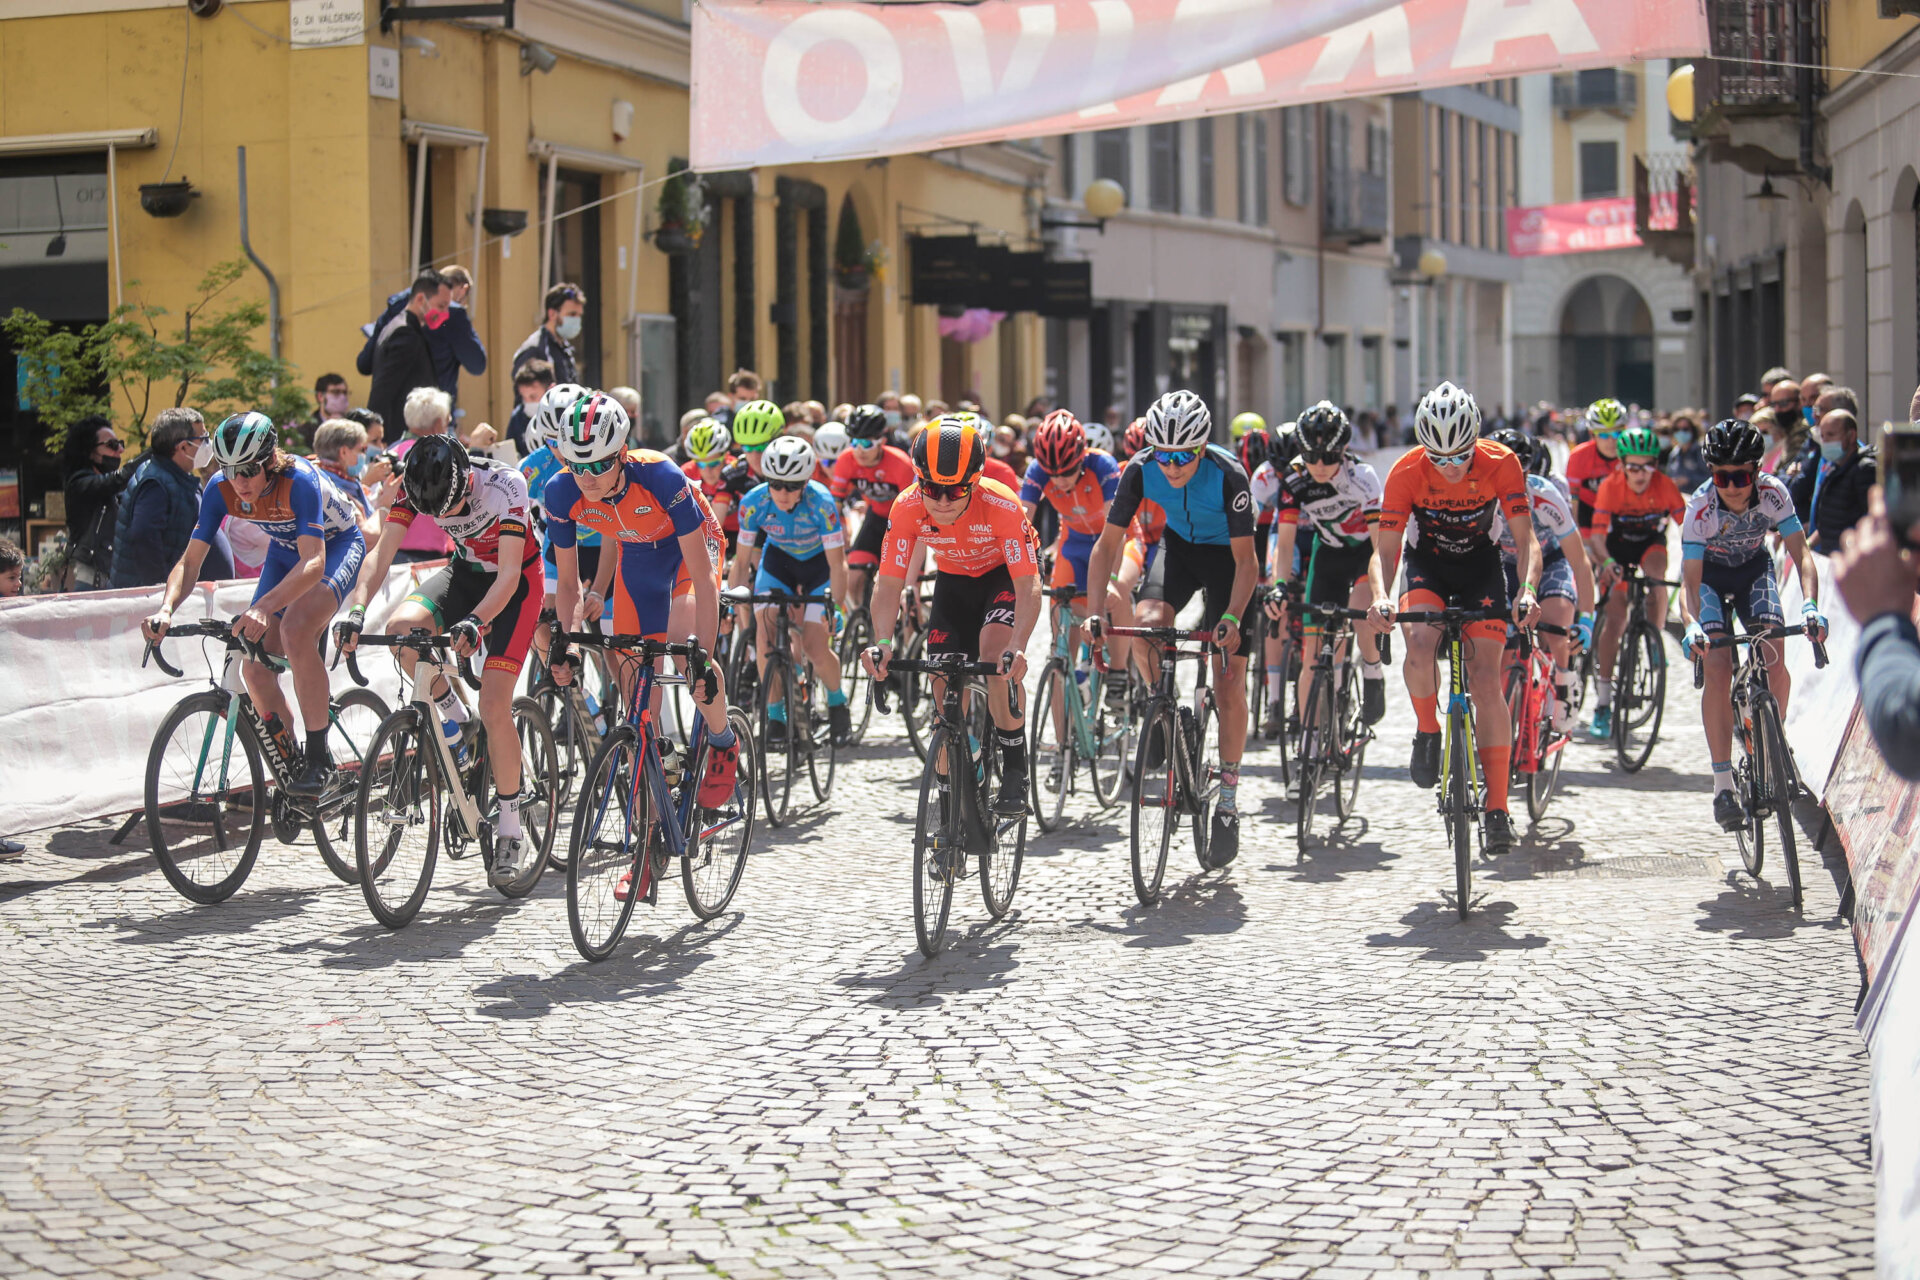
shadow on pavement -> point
(1202, 905)
(1336, 852)
(646, 967)
(981, 958)
(432, 935)
(1445, 937)
(1762, 908)
(242, 913)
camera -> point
(1900, 477)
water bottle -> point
(673, 761)
(281, 737)
(456, 742)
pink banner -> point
(785, 81)
(1585, 227)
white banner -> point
(1821, 700)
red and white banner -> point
(1585, 227)
(788, 81)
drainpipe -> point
(1809, 165)
(273, 286)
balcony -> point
(1601, 89)
(1748, 97)
(1663, 207)
(1356, 207)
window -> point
(1293, 373)
(1163, 167)
(1296, 128)
(1254, 182)
(1500, 192)
(1378, 144)
(1465, 160)
(1203, 148)
(1482, 193)
(1336, 367)
(1443, 174)
(1111, 158)
(1599, 170)
(1371, 364)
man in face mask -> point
(404, 358)
(566, 307)
(1831, 496)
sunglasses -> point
(1732, 479)
(1636, 466)
(864, 442)
(111, 446)
(1606, 435)
(1449, 459)
(1323, 458)
(946, 492)
(592, 468)
(1175, 457)
(245, 470)
(1065, 478)
(787, 486)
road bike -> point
(955, 821)
(1176, 771)
(1462, 790)
(1765, 777)
(1270, 718)
(1539, 749)
(1080, 712)
(804, 735)
(1333, 732)
(207, 806)
(639, 808)
(426, 793)
(579, 712)
(1639, 676)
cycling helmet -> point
(1100, 436)
(1541, 464)
(1447, 421)
(1060, 445)
(867, 423)
(593, 430)
(1323, 430)
(1179, 420)
(1732, 443)
(436, 475)
(950, 450)
(1136, 438)
(1245, 422)
(788, 458)
(1606, 414)
(560, 397)
(755, 424)
(1519, 441)
(708, 442)
(1256, 446)
(245, 439)
(1639, 442)
(830, 441)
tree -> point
(210, 362)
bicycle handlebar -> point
(1166, 637)
(422, 642)
(791, 599)
(1447, 617)
(946, 664)
(213, 629)
(1754, 637)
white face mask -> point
(569, 327)
(203, 454)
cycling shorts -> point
(648, 581)
(1630, 550)
(1332, 573)
(1070, 565)
(345, 551)
(1748, 590)
(1475, 581)
(1556, 580)
(964, 605)
(457, 590)
(782, 572)
(870, 543)
(1186, 567)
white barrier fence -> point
(1822, 700)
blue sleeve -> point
(669, 484)
(1107, 471)
(560, 497)
(747, 514)
(1790, 526)
(1034, 481)
(213, 509)
(1887, 665)
(309, 505)
(823, 504)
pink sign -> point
(788, 81)
(1585, 227)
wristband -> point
(1527, 588)
(1234, 618)
(884, 642)
(357, 613)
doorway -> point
(1606, 343)
(576, 260)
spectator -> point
(1776, 457)
(376, 428)
(1772, 378)
(1746, 406)
(629, 399)
(1685, 463)
(12, 569)
(1811, 387)
(719, 406)
(1784, 399)
(566, 307)
(428, 412)
(403, 360)
(1831, 398)
(1831, 496)
(530, 381)
(816, 413)
(1878, 579)
(331, 399)
(1390, 427)
(161, 504)
(455, 345)
(339, 451)
(795, 412)
(744, 386)
(94, 480)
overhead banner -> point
(790, 81)
(1584, 227)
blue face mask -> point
(1833, 450)
(893, 418)
(1683, 436)
(358, 467)
(1806, 413)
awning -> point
(111, 141)
(555, 154)
(427, 134)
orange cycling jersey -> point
(1637, 515)
(1149, 522)
(1587, 469)
(1455, 519)
(991, 532)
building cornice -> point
(1894, 57)
(610, 34)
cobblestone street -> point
(1633, 1060)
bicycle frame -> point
(1166, 690)
(1459, 717)
(1074, 700)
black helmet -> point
(867, 422)
(1324, 432)
(1256, 446)
(1732, 443)
(1522, 444)
(1541, 463)
(435, 476)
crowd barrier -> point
(1817, 711)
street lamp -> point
(1432, 264)
(1103, 199)
(1680, 93)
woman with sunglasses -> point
(1594, 459)
(791, 539)
(1630, 515)
(1725, 569)
(315, 550)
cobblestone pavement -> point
(1633, 1060)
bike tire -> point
(1112, 741)
(1354, 736)
(616, 791)
(1460, 818)
(721, 838)
(1156, 800)
(1284, 744)
(780, 750)
(855, 639)
(357, 716)
(743, 673)
(1202, 781)
(204, 873)
(1050, 754)
(823, 756)
(1315, 726)
(1641, 693)
(1257, 674)
(1780, 789)
(539, 791)
(574, 745)
(1751, 835)
(397, 818)
(938, 843)
(916, 699)
(1553, 753)
(1005, 848)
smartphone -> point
(1900, 477)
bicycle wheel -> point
(206, 801)
(1257, 673)
(854, 640)
(1316, 725)
(743, 674)
(1156, 799)
(1552, 748)
(1006, 838)
(938, 845)
(356, 716)
(817, 737)
(1202, 780)
(1640, 694)
(1278, 711)
(539, 791)
(717, 846)
(1779, 784)
(1352, 744)
(1460, 824)
(574, 743)
(780, 747)
(610, 869)
(916, 698)
(1112, 738)
(396, 818)
(1748, 784)
(1050, 758)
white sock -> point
(1722, 776)
(1602, 691)
(1372, 670)
(1274, 683)
(451, 707)
(510, 816)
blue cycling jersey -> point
(296, 503)
(539, 467)
(1213, 508)
(812, 525)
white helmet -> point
(560, 397)
(1447, 421)
(1179, 420)
(1099, 437)
(788, 458)
(830, 441)
(593, 430)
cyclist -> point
(491, 590)
(986, 587)
(1140, 558)
(805, 553)
(1257, 455)
(1725, 569)
(754, 426)
(829, 442)
(1595, 458)
(1630, 514)
(314, 554)
(1263, 481)
(1456, 485)
(1335, 497)
(873, 472)
(1207, 547)
(541, 465)
(669, 547)
(709, 446)
(1099, 436)
(1078, 482)
(1566, 580)
(1245, 422)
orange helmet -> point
(951, 451)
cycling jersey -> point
(1587, 467)
(298, 503)
(994, 469)
(1718, 536)
(1264, 485)
(1637, 515)
(653, 509)
(877, 485)
(1083, 507)
(1212, 508)
(1552, 521)
(1454, 519)
(716, 494)
(1149, 522)
(1341, 512)
(539, 467)
(497, 504)
(812, 525)
(991, 533)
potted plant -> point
(683, 214)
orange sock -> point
(1426, 713)
(1495, 762)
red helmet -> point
(1061, 443)
(1136, 437)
